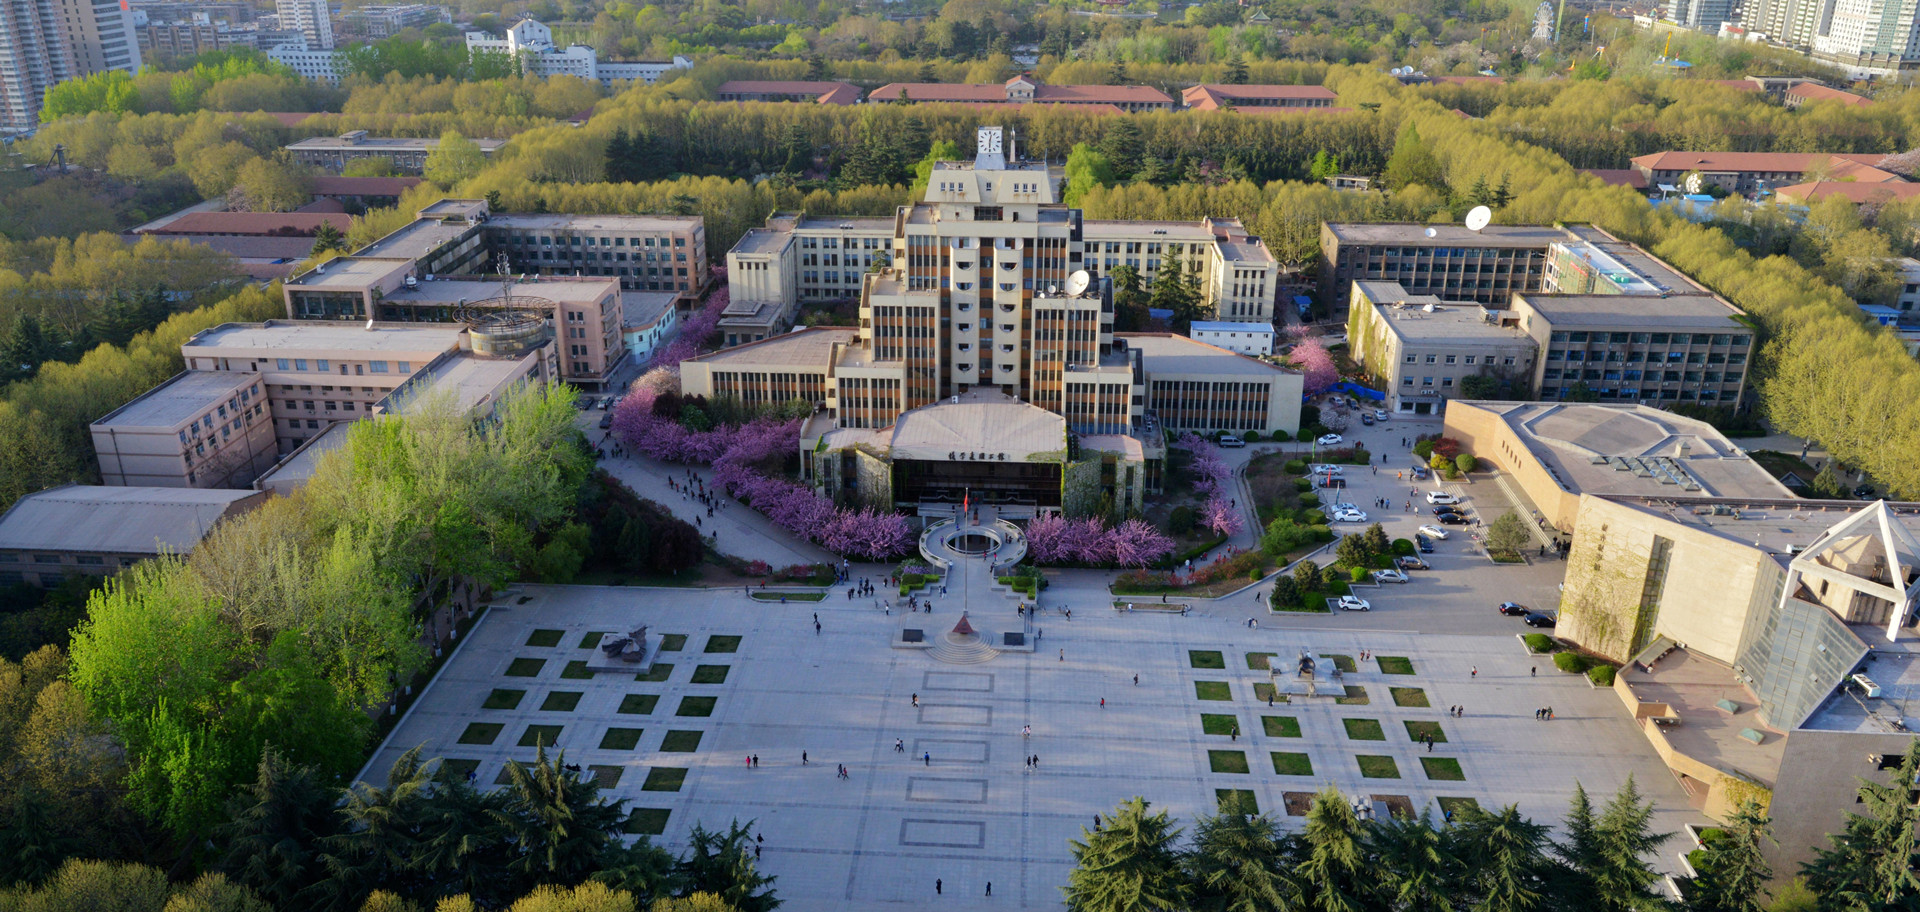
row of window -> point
(1469, 359)
(833, 243)
(529, 240)
(1628, 392)
(1644, 338)
(320, 365)
(1570, 373)
(1636, 357)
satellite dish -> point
(1053, 289)
(1432, 233)
(1078, 282)
(1479, 218)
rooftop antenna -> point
(1479, 218)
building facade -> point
(409, 155)
(310, 18)
(44, 42)
(1024, 89)
(833, 93)
(1418, 349)
(531, 43)
(1214, 97)
(1447, 261)
(1747, 173)
(1244, 338)
(376, 23)
(199, 429)
(87, 530)
(1681, 348)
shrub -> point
(1286, 595)
(1306, 574)
(1257, 573)
(1358, 574)
(1322, 533)
(1601, 675)
(1360, 457)
(1571, 662)
(1295, 467)
(1423, 448)
(1538, 642)
(1331, 575)
(1284, 535)
(1180, 521)
(1143, 581)
(1251, 436)
(1279, 437)
(1441, 465)
(1447, 446)
(1303, 484)
(1464, 462)
(1338, 588)
(1403, 547)
(1227, 568)
(1309, 500)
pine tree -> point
(273, 837)
(1413, 163)
(1122, 144)
(635, 543)
(1237, 70)
(1733, 872)
(620, 158)
(722, 864)
(1415, 864)
(1238, 862)
(1623, 880)
(327, 237)
(1870, 863)
(1505, 855)
(23, 348)
(798, 150)
(1117, 73)
(926, 74)
(1128, 864)
(1332, 872)
(1377, 540)
(817, 68)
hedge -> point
(1279, 437)
(1295, 467)
(1359, 574)
(1538, 642)
(1309, 500)
(1601, 675)
(1571, 662)
(1404, 547)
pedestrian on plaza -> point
(927, 758)
(756, 761)
(1475, 672)
(937, 885)
(1236, 731)
(1103, 702)
(803, 758)
(1534, 672)
(989, 888)
(899, 745)
(816, 628)
(1136, 680)
(916, 699)
(1549, 714)
(1063, 655)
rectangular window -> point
(299, 364)
(283, 363)
(322, 365)
(406, 367)
(378, 367)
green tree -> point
(326, 238)
(1129, 300)
(272, 838)
(722, 864)
(557, 821)
(1173, 291)
(1086, 169)
(455, 160)
(1464, 462)
(1127, 864)
(1869, 864)
(1733, 872)
(107, 885)
(270, 185)
(1377, 541)
(1415, 862)
(1353, 551)
(1236, 73)
(1238, 864)
(372, 166)
(378, 838)
(1306, 575)
(1479, 386)
(1623, 880)
(1323, 166)
(1333, 868)
(1581, 392)
(1508, 534)
(1123, 146)
(1413, 163)
(1505, 858)
(635, 543)
(1286, 594)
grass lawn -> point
(1442, 769)
(1219, 724)
(525, 668)
(537, 735)
(503, 699)
(1417, 730)
(1236, 801)
(673, 642)
(1257, 661)
(576, 671)
(681, 742)
(1356, 696)
(1394, 665)
(1280, 726)
(638, 704)
(1289, 764)
(1206, 658)
(696, 706)
(1212, 690)
(1409, 696)
(591, 640)
(710, 674)
(1265, 692)
(620, 739)
(1227, 761)
(560, 701)
(647, 821)
(546, 638)
(722, 644)
(1342, 662)
(1457, 806)
(664, 779)
(480, 733)
(656, 674)
(789, 596)
(1374, 767)
(606, 777)
(1364, 729)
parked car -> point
(1411, 563)
(1420, 473)
(1343, 505)
(1441, 497)
(1453, 519)
(1389, 576)
(1537, 619)
(606, 421)
(1447, 510)
(1326, 469)
(1432, 531)
(1229, 441)
(1512, 609)
(1424, 543)
(1334, 482)
(1350, 516)
(1380, 414)
(583, 402)
(1864, 492)
(1353, 603)
(608, 402)
(1366, 419)
(1330, 440)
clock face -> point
(989, 140)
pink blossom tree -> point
(1045, 535)
(1134, 543)
(1316, 364)
(1222, 516)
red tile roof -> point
(1857, 165)
(1808, 91)
(1043, 94)
(1261, 109)
(1620, 177)
(1016, 105)
(834, 93)
(328, 185)
(254, 223)
(1208, 97)
(1853, 190)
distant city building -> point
(531, 42)
(310, 18)
(1025, 89)
(316, 65)
(249, 224)
(376, 23)
(182, 39)
(1869, 37)
(833, 93)
(88, 530)
(1700, 15)
(408, 155)
(1245, 338)
(44, 42)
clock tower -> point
(988, 155)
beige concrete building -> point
(1558, 451)
(1417, 349)
(199, 429)
(83, 530)
(1679, 348)
(1195, 386)
(796, 260)
(475, 384)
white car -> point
(1441, 497)
(1389, 576)
(1353, 603)
(1380, 414)
(1344, 507)
(1326, 469)
(1434, 532)
(1330, 440)
(1349, 516)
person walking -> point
(916, 699)
(1103, 702)
(803, 758)
(1475, 672)
(938, 886)
(989, 888)
(1533, 672)
(1063, 654)
(927, 758)
(1136, 680)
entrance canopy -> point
(981, 425)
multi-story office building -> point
(1245, 338)
(100, 36)
(1700, 15)
(1680, 348)
(97, 530)
(319, 66)
(1447, 261)
(375, 23)
(532, 43)
(44, 42)
(409, 155)
(798, 260)
(1418, 348)
(200, 429)
(310, 18)
(1869, 37)
(179, 39)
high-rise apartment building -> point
(1877, 37)
(311, 19)
(43, 42)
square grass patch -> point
(1236, 801)
(1356, 696)
(560, 701)
(1286, 763)
(656, 674)
(1364, 730)
(1409, 696)
(711, 674)
(1419, 730)
(525, 668)
(1394, 665)
(502, 698)
(1206, 658)
(1454, 808)
(1442, 769)
(696, 706)
(647, 821)
(722, 644)
(576, 671)
(591, 640)
(545, 638)
(1227, 761)
(1267, 693)
(606, 777)
(620, 739)
(1342, 662)
(681, 742)
(639, 704)
(481, 733)
(664, 779)
(673, 642)
(1212, 690)
(1280, 726)
(1257, 661)
(1219, 723)
(537, 735)
(1377, 767)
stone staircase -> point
(962, 649)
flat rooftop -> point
(1895, 667)
(298, 466)
(116, 520)
(1695, 686)
(1596, 448)
(980, 420)
(1168, 353)
(556, 222)
(329, 335)
(395, 143)
(1636, 260)
(417, 238)
(829, 223)
(1413, 233)
(180, 399)
(642, 309)
(585, 290)
(1773, 525)
(1117, 229)
(763, 240)
(469, 379)
(1409, 317)
(1635, 311)
(802, 348)
(1219, 326)
(350, 272)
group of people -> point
(862, 587)
(694, 489)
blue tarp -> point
(1358, 390)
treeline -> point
(59, 298)
(240, 79)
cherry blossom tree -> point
(1222, 516)
(1316, 363)
(1044, 539)
(1134, 543)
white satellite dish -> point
(1479, 218)
(1432, 233)
(1053, 289)
(1078, 282)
